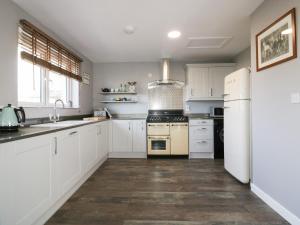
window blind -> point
(39, 48)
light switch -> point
(295, 98)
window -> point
(46, 70)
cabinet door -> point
(105, 137)
(7, 181)
(67, 161)
(102, 140)
(198, 79)
(216, 80)
(88, 147)
(139, 136)
(32, 179)
(122, 136)
(179, 139)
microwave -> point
(217, 112)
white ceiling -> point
(95, 27)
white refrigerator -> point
(237, 124)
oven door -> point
(159, 145)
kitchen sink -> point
(66, 123)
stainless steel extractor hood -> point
(165, 93)
(165, 77)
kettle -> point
(10, 118)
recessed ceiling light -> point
(129, 29)
(174, 34)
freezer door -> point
(237, 85)
(237, 139)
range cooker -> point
(167, 132)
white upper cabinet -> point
(139, 136)
(197, 79)
(206, 81)
(216, 80)
(122, 136)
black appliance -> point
(219, 138)
(166, 116)
(217, 112)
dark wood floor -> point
(164, 192)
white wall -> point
(112, 74)
(276, 140)
(243, 59)
(10, 14)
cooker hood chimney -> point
(165, 64)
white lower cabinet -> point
(201, 138)
(139, 136)
(122, 136)
(102, 140)
(88, 147)
(67, 170)
(128, 138)
(32, 180)
(39, 173)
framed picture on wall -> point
(277, 43)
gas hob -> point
(166, 116)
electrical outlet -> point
(187, 108)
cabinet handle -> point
(201, 142)
(211, 92)
(128, 126)
(74, 132)
(191, 91)
(99, 130)
(142, 126)
(55, 145)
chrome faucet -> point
(55, 117)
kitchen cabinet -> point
(88, 147)
(32, 179)
(139, 136)
(6, 181)
(216, 80)
(206, 81)
(67, 161)
(122, 136)
(39, 173)
(128, 136)
(197, 78)
(201, 138)
(102, 140)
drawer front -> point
(158, 129)
(203, 145)
(201, 132)
(206, 122)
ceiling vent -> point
(208, 42)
